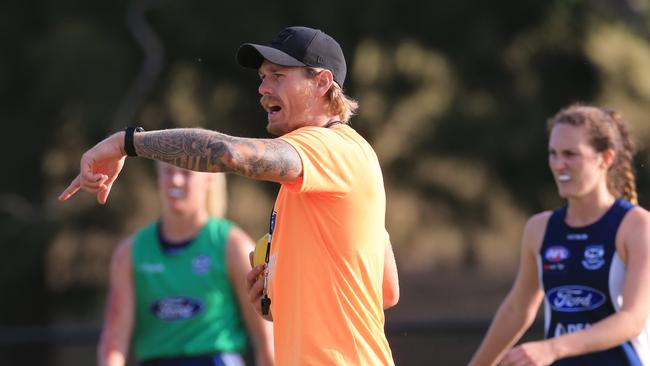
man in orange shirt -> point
(331, 269)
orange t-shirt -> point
(327, 254)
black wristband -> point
(128, 140)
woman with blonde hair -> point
(589, 261)
(177, 286)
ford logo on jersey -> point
(176, 308)
(556, 253)
(572, 299)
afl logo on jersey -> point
(556, 253)
(176, 308)
(594, 257)
(573, 299)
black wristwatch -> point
(128, 140)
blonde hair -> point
(217, 196)
(340, 105)
(606, 130)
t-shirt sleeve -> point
(327, 160)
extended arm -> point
(210, 151)
(118, 322)
(390, 285)
(190, 148)
(259, 330)
(518, 309)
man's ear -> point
(324, 81)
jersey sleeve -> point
(327, 160)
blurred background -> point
(454, 97)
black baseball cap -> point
(297, 46)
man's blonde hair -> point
(340, 105)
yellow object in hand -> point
(259, 255)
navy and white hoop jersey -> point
(582, 277)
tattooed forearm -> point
(210, 151)
(194, 149)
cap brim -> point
(252, 55)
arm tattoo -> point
(210, 151)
